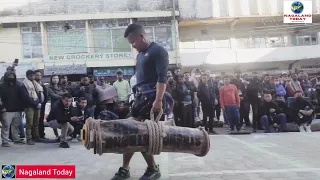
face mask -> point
(11, 79)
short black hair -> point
(66, 95)
(30, 72)
(63, 76)
(227, 76)
(83, 99)
(134, 29)
(84, 76)
(37, 71)
(119, 73)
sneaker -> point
(122, 174)
(231, 131)
(254, 130)
(74, 140)
(244, 127)
(307, 127)
(151, 174)
(19, 142)
(6, 145)
(301, 129)
(38, 140)
(64, 145)
(30, 142)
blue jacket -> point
(280, 91)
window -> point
(222, 43)
(258, 42)
(305, 40)
(108, 36)
(275, 41)
(163, 37)
(67, 41)
(31, 40)
(243, 42)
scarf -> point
(106, 92)
(33, 88)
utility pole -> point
(176, 39)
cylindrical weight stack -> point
(127, 136)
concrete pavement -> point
(287, 156)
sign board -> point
(72, 41)
(21, 69)
(295, 11)
(65, 69)
(127, 71)
(88, 57)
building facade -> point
(246, 36)
(66, 36)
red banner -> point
(46, 171)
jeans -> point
(32, 126)
(208, 112)
(279, 119)
(233, 117)
(66, 129)
(13, 120)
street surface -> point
(287, 156)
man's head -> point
(64, 79)
(237, 75)
(204, 78)
(181, 79)
(266, 78)
(186, 76)
(177, 72)
(102, 80)
(85, 80)
(304, 76)
(169, 74)
(255, 76)
(83, 102)
(12, 69)
(119, 75)
(10, 77)
(38, 75)
(318, 75)
(137, 37)
(67, 100)
(226, 80)
(267, 97)
(294, 76)
(30, 75)
(276, 81)
(246, 77)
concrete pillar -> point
(274, 8)
(44, 39)
(231, 8)
(175, 41)
(260, 7)
(245, 7)
(89, 36)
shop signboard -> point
(111, 71)
(88, 57)
(65, 69)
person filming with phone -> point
(60, 117)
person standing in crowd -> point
(86, 90)
(133, 82)
(44, 98)
(63, 82)
(270, 115)
(10, 93)
(316, 79)
(230, 103)
(280, 91)
(293, 86)
(244, 105)
(315, 100)
(184, 96)
(83, 113)
(303, 112)
(195, 78)
(123, 88)
(254, 90)
(60, 117)
(268, 85)
(32, 99)
(152, 67)
(169, 74)
(306, 84)
(208, 99)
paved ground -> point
(288, 156)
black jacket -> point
(60, 113)
(283, 106)
(253, 88)
(268, 87)
(265, 107)
(11, 94)
(207, 94)
(76, 111)
(298, 105)
(89, 93)
(240, 85)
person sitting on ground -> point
(106, 114)
(303, 111)
(270, 114)
(60, 117)
(122, 111)
(83, 112)
(315, 99)
(283, 106)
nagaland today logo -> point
(297, 11)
